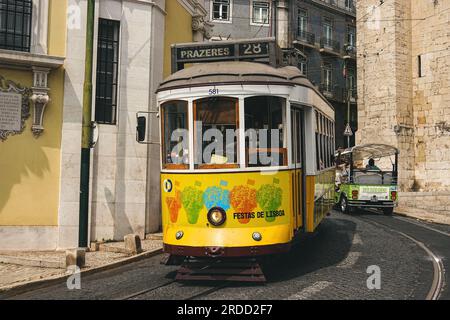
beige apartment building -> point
(404, 92)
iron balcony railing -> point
(331, 91)
(349, 49)
(329, 44)
(352, 95)
(306, 37)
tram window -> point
(215, 132)
(264, 141)
(324, 138)
(175, 135)
(318, 159)
(324, 142)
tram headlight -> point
(179, 235)
(216, 216)
(256, 236)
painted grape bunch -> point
(243, 200)
(269, 198)
(216, 197)
(192, 200)
(174, 205)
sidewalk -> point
(423, 215)
(24, 267)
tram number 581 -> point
(213, 92)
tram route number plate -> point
(251, 49)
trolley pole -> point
(86, 129)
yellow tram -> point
(246, 159)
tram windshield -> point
(264, 132)
(175, 146)
(216, 122)
(216, 136)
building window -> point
(302, 23)
(327, 77)
(303, 66)
(15, 24)
(260, 12)
(420, 66)
(328, 32)
(107, 71)
(221, 10)
(351, 36)
(349, 4)
(351, 83)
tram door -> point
(298, 181)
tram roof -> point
(371, 150)
(235, 72)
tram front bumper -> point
(214, 252)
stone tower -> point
(404, 88)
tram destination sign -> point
(223, 51)
(204, 53)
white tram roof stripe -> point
(240, 76)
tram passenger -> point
(342, 173)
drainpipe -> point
(86, 129)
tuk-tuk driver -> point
(372, 166)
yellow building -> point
(31, 95)
(41, 92)
(185, 22)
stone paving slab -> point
(20, 267)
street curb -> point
(420, 217)
(31, 262)
(13, 290)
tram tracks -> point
(438, 268)
(167, 285)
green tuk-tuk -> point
(361, 185)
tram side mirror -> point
(144, 122)
(141, 128)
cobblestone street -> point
(331, 264)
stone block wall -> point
(400, 105)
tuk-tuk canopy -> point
(371, 150)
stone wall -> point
(431, 95)
(397, 106)
(422, 200)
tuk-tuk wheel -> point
(343, 205)
(388, 211)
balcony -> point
(332, 92)
(340, 5)
(330, 46)
(306, 38)
(353, 95)
(349, 51)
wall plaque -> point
(10, 111)
(14, 108)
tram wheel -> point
(388, 211)
(344, 205)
